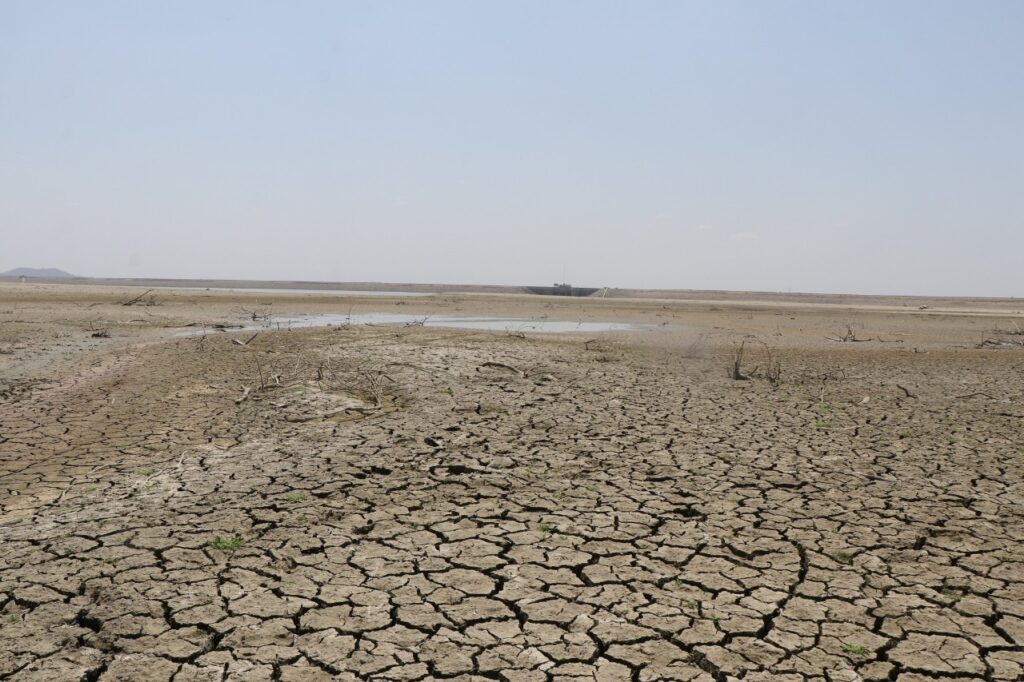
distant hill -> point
(47, 273)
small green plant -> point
(295, 497)
(856, 649)
(11, 618)
(844, 557)
(692, 604)
(822, 424)
(904, 434)
(824, 408)
(227, 544)
(1008, 558)
(546, 528)
(147, 471)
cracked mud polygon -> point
(411, 503)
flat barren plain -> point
(737, 489)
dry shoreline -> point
(422, 503)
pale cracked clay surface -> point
(612, 511)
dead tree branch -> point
(906, 392)
(247, 341)
(849, 337)
(142, 299)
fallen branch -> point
(502, 365)
(972, 395)
(138, 300)
(1001, 343)
(1016, 331)
(906, 391)
(218, 326)
(247, 341)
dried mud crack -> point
(612, 515)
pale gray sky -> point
(872, 147)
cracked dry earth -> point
(607, 514)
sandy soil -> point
(396, 503)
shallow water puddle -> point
(404, 319)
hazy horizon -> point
(794, 146)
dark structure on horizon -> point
(563, 290)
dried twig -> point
(1016, 331)
(1001, 343)
(973, 395)
(849, 337)
(247, 341)
(265, 314)
(736, 372)
(141, 299)
(772, 372)
(906, 391)
(502, 365)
